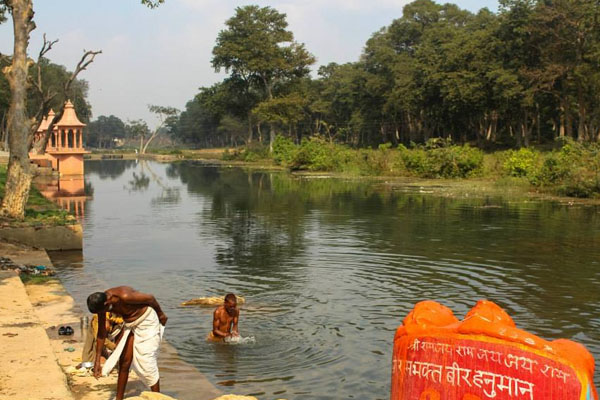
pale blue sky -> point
(162, 56)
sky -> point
(162, 56)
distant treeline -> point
(527, 74)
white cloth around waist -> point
(148, 333)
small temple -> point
(65, 148)
(64, 154)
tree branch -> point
(87, 58)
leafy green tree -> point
(102, 132)
(257, 48)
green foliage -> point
(315, 154)
(54, 77)
(522, 163)
(431, 161)
(440, 159)
(573, 170)
(284, 151)
(257, 46)
(101, 132)
(29, 279)
(454, 162)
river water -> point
(329, 267)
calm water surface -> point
(329, 267)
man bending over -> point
(142, 333)
(225, 320)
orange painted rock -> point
(485, 356)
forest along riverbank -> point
(36, 359)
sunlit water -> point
(329, 267)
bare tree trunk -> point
(249, 141)
(271, 137)
(19, 174)
(260, 136)
(538, 123)
(563, 119)
(149, 140)
(581, 133)
(569, 125)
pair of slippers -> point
(65, 331)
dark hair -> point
(230, 297)
(95, 302)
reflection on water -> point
(329, 267)
(70, 193)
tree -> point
(258, 49)
(101, 132)
(287, 111)
(139, 128)
(163, 113)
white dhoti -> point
(148, 333)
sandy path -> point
(28, 367)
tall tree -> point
(101, 132)
(257, 48)
(163, 114)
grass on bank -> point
(28, 279)
(571, 169)
(39, 210)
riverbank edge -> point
(453, 188)
(39, 364)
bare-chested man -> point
(225, 320)
(142, 333)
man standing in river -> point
(225, 320)
(142, 334)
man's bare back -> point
(119, 302)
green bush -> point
(521, 163)
(316, 154)
(284, 151)
(454, 162)
(580, 168)
(440, 159)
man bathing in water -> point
(144, 323)
(225, 320)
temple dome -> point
(69, 118)
(46, 121)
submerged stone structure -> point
(64, 151)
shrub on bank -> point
(574, 169)
(522, 163)
(439, 158)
